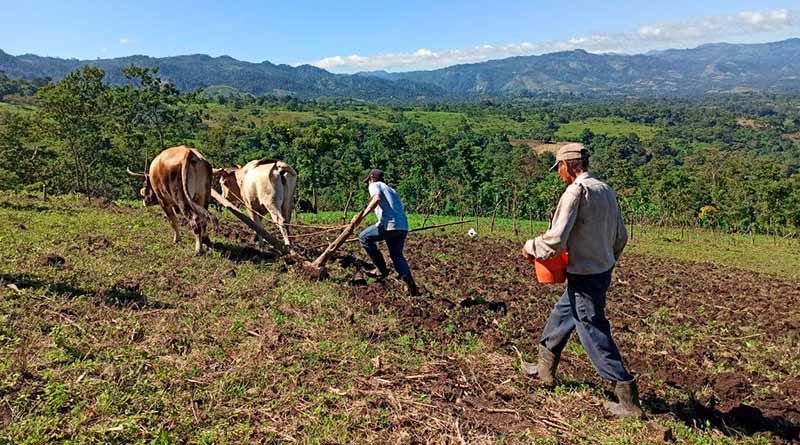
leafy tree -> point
(74, 114)
(149, 114)
(23, 160)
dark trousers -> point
(582, 308)
(395, 241)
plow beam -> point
(273, 241)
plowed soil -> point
(708, 343)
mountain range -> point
(712, 68)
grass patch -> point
(609, 126)
(112, 334)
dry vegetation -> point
(110, 334)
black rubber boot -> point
(377, 273)
(545, 369)
(380, 271)
(628, 395)
(411, 286)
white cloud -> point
(126, 41)
(768, 20)
(646, 37)
(717, 27)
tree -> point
(22, 158)
(74, 114)
(150, 114)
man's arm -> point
(622, 237)
(554, 241)
(373, 202)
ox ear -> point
(217, 171)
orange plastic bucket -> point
(553, 270)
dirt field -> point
(110, 334)
(708, 343)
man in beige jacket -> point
(588, 225)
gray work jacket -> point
(588, 225)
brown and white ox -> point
(179, 180)
(262, 186)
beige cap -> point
(573, 150)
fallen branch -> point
(741, 338)
(460, 436)
(501, 410)
(73, 323)
(197, 382)
(423, 376)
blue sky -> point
(350, 35)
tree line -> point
(726, 162)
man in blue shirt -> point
(392, 227)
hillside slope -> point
(714, 68)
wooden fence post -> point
(494, 212)
(530, 221)
(347, 206)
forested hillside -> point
(730, 162)
(713, 68)
(190, 72)
(708, 69)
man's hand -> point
(528, 251)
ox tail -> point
(197, 216)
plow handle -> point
(333, 246)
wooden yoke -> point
(274, 242)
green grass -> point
(609, 126)
(24, 109)
(135, 340)
(441, 120)
(758, 253)
(370, 115)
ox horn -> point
(141, 175)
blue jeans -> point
(395, 241)
(582, 308)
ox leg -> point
(198, 244)
(277, 218)
(199, 237)
(199, 241)
(206, 239)
(173, 220)
(257, 219)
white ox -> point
(262, 186)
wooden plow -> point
(266, 236)
(315, 268)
